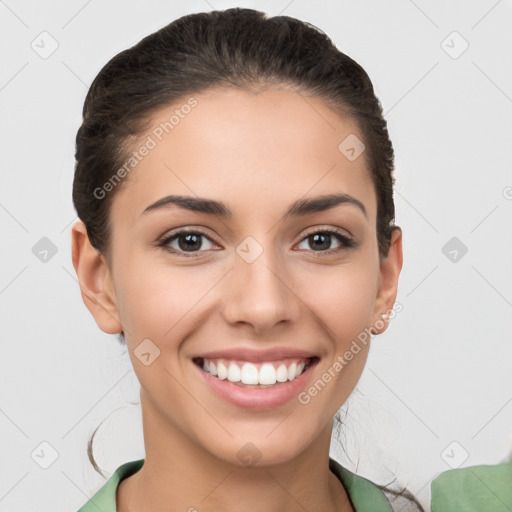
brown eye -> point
(321, 241)
(184, 242)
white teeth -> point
(282, 373)
(292, 371)
(233, 373)
(249, 373)
(222, 371)
(267, 374)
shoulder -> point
(105, 497)
(475, 488)
(365, 495)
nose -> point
(260, 294)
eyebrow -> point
(298, 208)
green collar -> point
(364, 494)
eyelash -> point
(346, 242)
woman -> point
(234, 184)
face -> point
(265, 291)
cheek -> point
(155, 299)
(342, 298)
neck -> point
(180, 474)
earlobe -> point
(390, 268)
(95, 281)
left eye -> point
(324, 237)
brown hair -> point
(236, 47)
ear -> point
(390, 268)
(95, 281)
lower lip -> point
(257, 398)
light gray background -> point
(440, 374)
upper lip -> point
(256, 356)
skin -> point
(257, 153)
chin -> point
(260, 447)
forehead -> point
(248, 149)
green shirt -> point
(364, 495)
(474, 489)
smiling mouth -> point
(256, 375)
